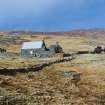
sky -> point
(51, 15)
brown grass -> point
(49, 87)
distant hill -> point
(87, 33)
(81, 32)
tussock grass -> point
(49, 87)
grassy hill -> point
(49, 86)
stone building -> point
(39, 49)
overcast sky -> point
(51, 15)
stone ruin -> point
(74, 77)
(2, 50)
(99, 50)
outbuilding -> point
(38, 49)
(35, 48)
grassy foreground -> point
(49, 86)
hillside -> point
(50, 86)
(82, 32)
(87, 32)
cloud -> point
(36, 6)
(26, 6)
(24, 13)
